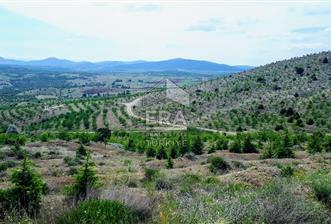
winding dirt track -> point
(170, 127)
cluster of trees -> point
(271, 144)
(12, 139)
(82, 113)
(171, 145)
(28, 188)
(163, 145)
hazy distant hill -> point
(178, 64)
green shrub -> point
(99, 212)
(278, 149)
(81, 151)
(173, 152)
(287, 171)
(325, 60)
(184, 146)
(248, 146)
(12, 139)
(212, 149)
(151, 174)
(37, 155)
(85, 180)
(73, 171)
(212, 180)
(238, 164)
(197, 146)
(44, 137)
(161, 153)
(315, 143)
(5, 202)
(103, 134)
(169, 163)
(299, 70)
(70, 161)
(327, 144)
(28, 188)
(221, 144)
(218, 164)
(162, 184)
(321, 186)
(235, 146)
(84, 138)
(274, 202)
(132, 184)
(188, 182)
(64, 135)
(3, 167)
(150, 152)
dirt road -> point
(170, 127)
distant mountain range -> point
(176, 64)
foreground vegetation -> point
(257, 177)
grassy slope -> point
(254, 99)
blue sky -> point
(232, 33)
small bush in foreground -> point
(321, 186)
(99, 212)
(151, 174)
(163, 185)
(315, 143)
(287, 171)
(27, 190)
(81, 151)
(276, 202)
(169, 163)
(218, 164)
(85, 180)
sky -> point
(235, 33)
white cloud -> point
(252, 33)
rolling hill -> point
(290, 94)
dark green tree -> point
(84, 138)
(103, 135)
(28, 188)
(130, 145)
(248, 146)
(235, 146)
(197, 146)
(327, 144)
(285, 149)
(150, 152)
(170, 163)
(315, 143)
(174, 152)
(161, 153)
(86, 180)
(81, 151)
(222, 144)
(184, 146)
